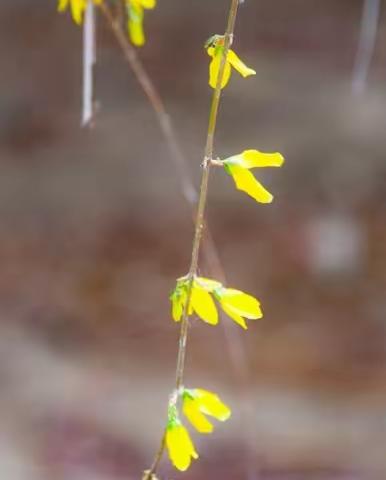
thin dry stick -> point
(154, 98)
(89, 59)
(120, 11)
(367, 38)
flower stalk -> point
(199, 226)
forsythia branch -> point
(200, 217)
(193, 293)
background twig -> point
(367, 38)
(89, 59)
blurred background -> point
(94, 230)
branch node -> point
(216, 162)
(148, 475)
(206, 162)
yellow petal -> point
(77, 9)
(63, 5)
(235, 316)
(180, 447)
(254, 158)
(204, 305)
(195, 417)
(148, 4)
(176, 310)
(135, 24)
(210, 404)
(178, 299)
(247, 183)
(238, 65)
(211, 51)
(177, 307)
(214, 68)
(208, 283)
(136, 33)
(240, 303)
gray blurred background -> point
(94, 231)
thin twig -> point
(367, 38)
(155, 100)
(89, 59)
(120, 8)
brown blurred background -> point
(94, 231)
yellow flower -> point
(200, 302)
(235, 303)
(215, 47)
(77, 8)
(197, 403)
(180, 446)
(238, 167)
(135, 11)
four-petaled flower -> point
(235, 303)
(215, 47)
(77, 8)
(180, 446)
(238, 167)
(197, 403)
(135, 13)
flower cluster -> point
(196, 404)
(135, 14)
(235, 303)
(215, 47)
(238, 167)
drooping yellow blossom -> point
(235, 303)
(238, 167)
(201, 301)
(135, 13)
(197, 403)
(215, 47)
(77, 8)
(180, 446)
(202, 304)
